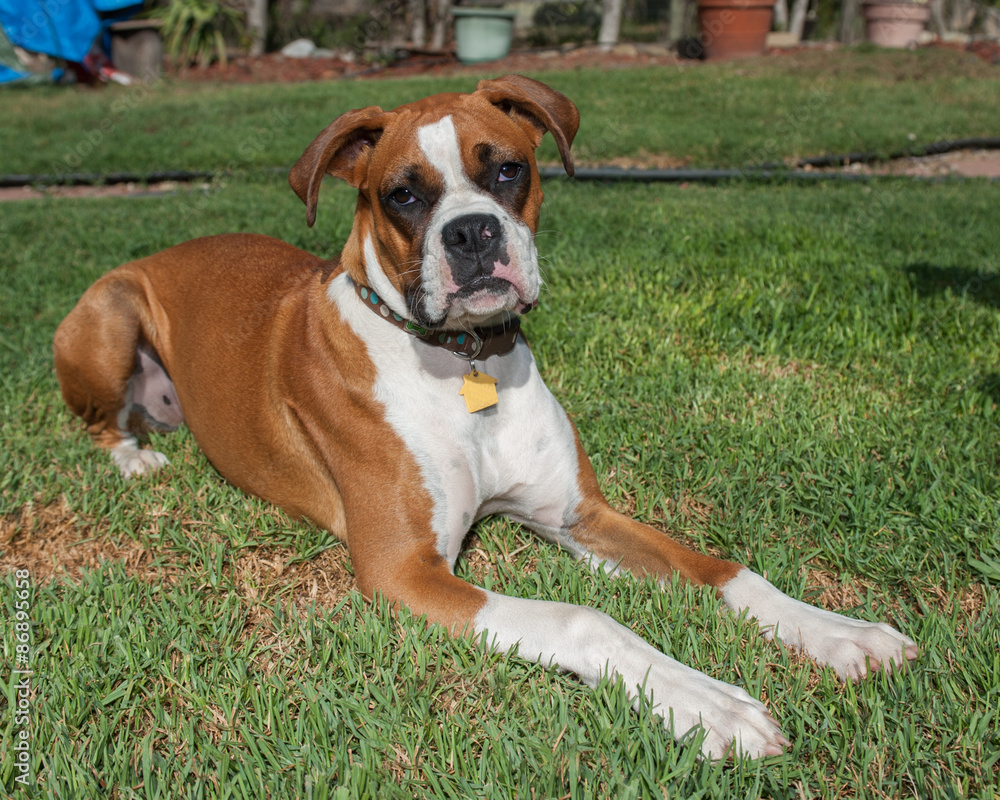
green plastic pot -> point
(483, 34)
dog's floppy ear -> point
(538, 108)
(336, 151)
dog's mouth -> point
(482, 301)
(486, 285)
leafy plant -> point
(194, 31)
(565, 21)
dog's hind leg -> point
(150, 404)
(111, 375)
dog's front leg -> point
(853, 648)
(410, 570)
(592, 645)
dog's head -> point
(448, 197)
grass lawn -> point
(802, 378)
(711, 115)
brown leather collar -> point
(479, 343)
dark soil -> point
(275, 68)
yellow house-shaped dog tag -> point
(479, 390)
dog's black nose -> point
(472, 233)
(473, 244)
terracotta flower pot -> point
(734, 28)
(895, 24)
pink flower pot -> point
(895, 24)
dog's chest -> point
(517, 457)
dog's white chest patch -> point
(516, 458)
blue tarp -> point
(7, 74)
(64, 29)
(59, 28)
(9, 62)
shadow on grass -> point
(980, 287)
(989, 384)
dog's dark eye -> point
(402, 197)
(509, 172)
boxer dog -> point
(388, 396)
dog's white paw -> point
(133, 460)
(735, 723)
(853, 648)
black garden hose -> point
(102, 179)
(763, 172)
(778, 171)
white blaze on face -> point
(439, 143)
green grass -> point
(707, 115)
(805, 379)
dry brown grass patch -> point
(53, 541)
(836, 595)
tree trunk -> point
(781, 15)
(937, 17)
(418, 22)
(440, 11)
(611, 21)
(849, 12)
(799, 10)
(257, 26)
(963, 14)
(678, 20)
